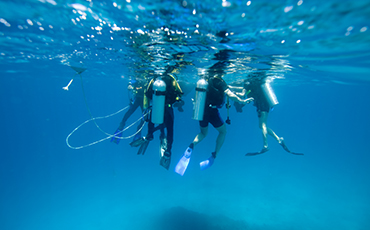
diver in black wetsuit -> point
(136, 94)
(217, 90)
(172, 94)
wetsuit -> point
(215, 99)
(135, 101)
(173, 94)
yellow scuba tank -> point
(200, 99)
(159, 92)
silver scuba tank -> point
(200, 99)
(159, 88)
(269, 94)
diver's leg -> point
(142, 113)
(142, 121)
(151, 130)
(273, 134)
(268, 130)
(219, 142)
(262, 115)
(200, 136)
(169, 121)
(118, 134)
(130, 111)
(166, 144)
(203, 125)
(220, 138)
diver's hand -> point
(179, 104)
(248, 100)
(242, 94)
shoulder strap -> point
(176, 84)
(150, 83)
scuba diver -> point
(164, 92)
(136, 95)
(264, 100)
(210, 96)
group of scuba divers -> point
(163, 92)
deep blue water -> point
(322, 84)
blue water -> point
(317, 54)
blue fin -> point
(183, 162)
(207, 163)
(117, 136)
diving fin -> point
(143, 147)
(163, 147)
(165, 160)
(165, 155)
(117, 136)
(257, 153)
(207, 163)
(78, 69)
(282, 143)
(253, 154)
(138, 142)
(183, 162)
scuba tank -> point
(200, 99)
(269, 94)
(159, 92)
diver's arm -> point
(234, 97)
(238, 88)
(239, 91)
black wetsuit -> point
(135, 102)
(215, 99)
(173, 94)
